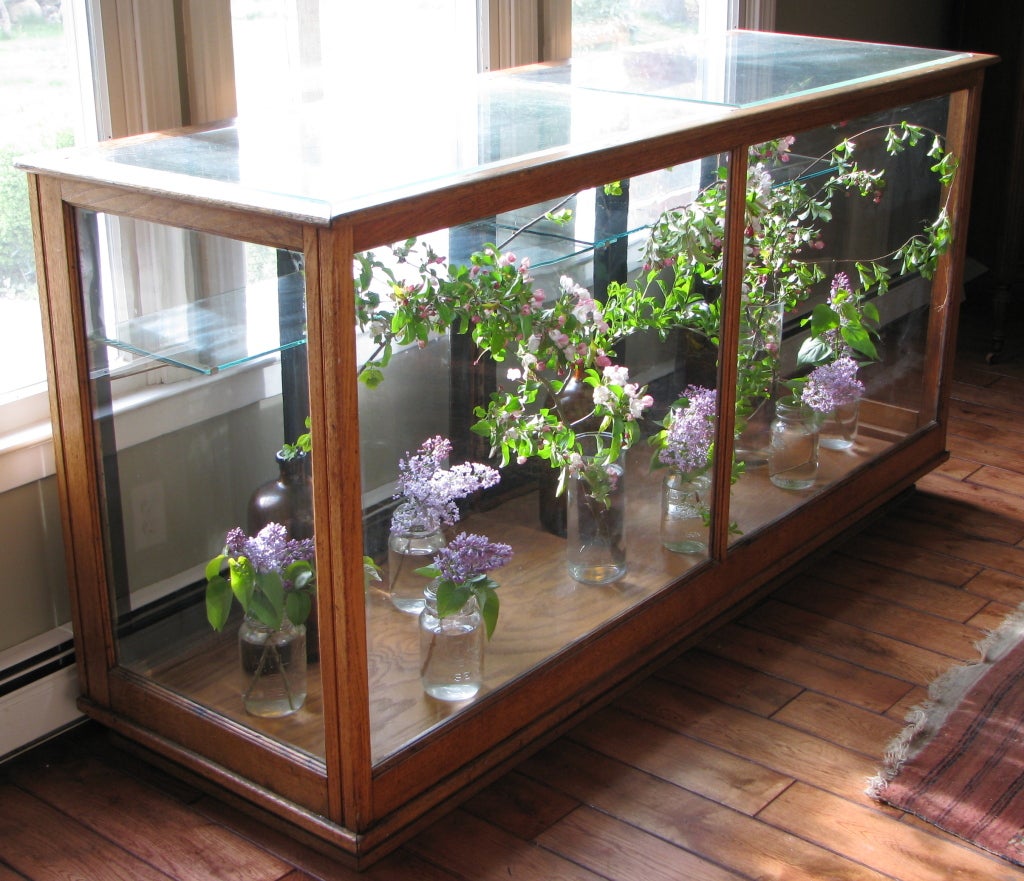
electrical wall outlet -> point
(148, 515)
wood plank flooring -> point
(746, 758)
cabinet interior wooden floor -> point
(744, 758)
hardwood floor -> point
(745, 758)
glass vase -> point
(575, 401)
(685, 511)
(759, 346)
(415, 538)
(754, 425)
(839, 428)
(596, 524)
(273, 662)
(793, 456)
(451, 649)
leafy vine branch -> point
(415, 293)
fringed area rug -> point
(959, 764)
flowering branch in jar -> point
(461, 569)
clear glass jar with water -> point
(685, 511)
(273, 664)
(451, 649)
(595, 544)
(414, 539)
(793, 454)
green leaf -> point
(265, 613)
(823, 319)
(489, 604)
(271, 586)
(560, 217)
(242, 580)
(858, 339)
(214, 566)
(371, 376)
(301, 574)
(218, 601)
(813, 351)
(297, 606)
(450, 598)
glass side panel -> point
(564, 295)
(312, 161)
(188, 456)
(624, 278)
(836, 312)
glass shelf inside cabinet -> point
(206, 336)
(214, 303)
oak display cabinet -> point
(200, 291)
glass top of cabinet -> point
(316, 162)
(737, 68)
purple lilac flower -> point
(691, 431)
(840, 282)
(832, 385)
(469, 554)
(432, 489)
(839, 293)
(270, 550)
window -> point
(306, 50)
(611, 24)
(317, 49)
(41, 108)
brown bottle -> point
(287, 499)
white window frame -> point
(135, 55)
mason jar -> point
(451, 649)
(793, 452)
(414, 539)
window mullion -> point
(209, 60)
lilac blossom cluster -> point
(433, 489)
(832, 385)
(691, 431)
(839, 292)
(469, 555)
(270, 550)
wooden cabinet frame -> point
(347, 803)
